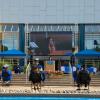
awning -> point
(88, 54)
(12, 53)
(68, 54)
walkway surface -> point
(48, 90)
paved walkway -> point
(48, 90)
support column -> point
(21, 42)
(22, 37)
(81, 39)
(81, 36)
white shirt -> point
(62, 68)
(95, 69)
(74, 68)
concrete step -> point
(54, 79)
(14, 84)
(21, 82)
(66, 80)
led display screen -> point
(50, 43)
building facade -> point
(18, 18)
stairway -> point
(95, 80)
(65, 80)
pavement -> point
(49, 90)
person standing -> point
(74, 73)
(51, 45)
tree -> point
(3, 48)
(97, 48)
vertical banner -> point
(0, 37)
(50, 65)
(0, 28)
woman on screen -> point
(51, 45)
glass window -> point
(3, 28)
(92, 32)
(8, 28)
(11, 40)
(15, 28)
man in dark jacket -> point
(83, 78)
(35, 78)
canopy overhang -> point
(12, 53)
(88, 54)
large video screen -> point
(50, 43)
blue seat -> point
(90, 69)
(68, 69)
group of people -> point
(81, 76)
(37, 75)
(17, 69)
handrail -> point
(27, 72)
